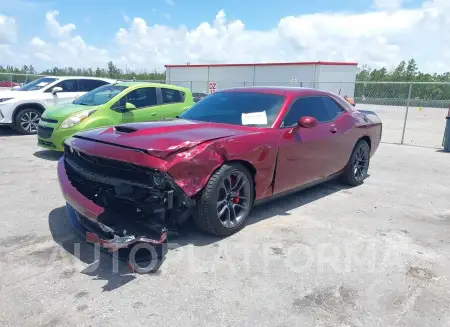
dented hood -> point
(162, 138)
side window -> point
(171, 96)
(309, 106)
(69, 85)
(333, 109)
(144, 97)
(87, 85)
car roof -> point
(280, 90)
(149, 84)
(82, 77)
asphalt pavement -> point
(373, 255)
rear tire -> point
(355, 172)
(226, 200)
(27, 120)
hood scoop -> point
(124, 129)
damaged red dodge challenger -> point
(132, 183)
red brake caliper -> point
(236, 198)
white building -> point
(337, 77)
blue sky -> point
(374, 32)
(95, 19)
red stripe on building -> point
(323, 63)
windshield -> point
(237, 108)
(37, 84)
(100, 95)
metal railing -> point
(413, 113)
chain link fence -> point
(9, 81)
(413, 113)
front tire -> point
(355, 171)
(27, 120)
(226, 200)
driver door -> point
(70, 91)
(305, 154)
(146, 103)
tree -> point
(113, 71)
(411, 70)
(399, 72)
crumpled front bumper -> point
(83, 215)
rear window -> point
(171, 96)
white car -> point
(22, 107)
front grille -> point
(111, 168)
(46, 143)
(44, 132)
(46, 120)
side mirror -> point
(307, 122)
(56, 89)
(130, 106)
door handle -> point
(153, 114)
(333, 129)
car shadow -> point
(101, 265)
(6, 131)
(283, 206)
(277, 207)
(48, 155)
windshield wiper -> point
(83, 104)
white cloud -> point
(37, 42)
(8, 37)
(55, 28)
(67, 49)
(8, 30)
(381, 37)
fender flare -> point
(35, 105)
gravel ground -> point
(374, 255)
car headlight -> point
(77, 118)
(5, 99)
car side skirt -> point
(296, 189)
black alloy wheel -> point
(357, 167)
(226, 201)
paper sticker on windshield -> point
(254, 118)
(41, 84)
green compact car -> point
(111, 104)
